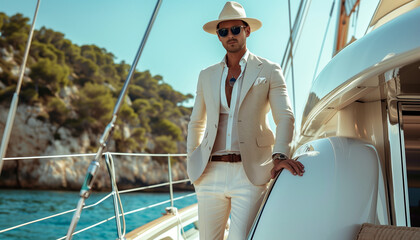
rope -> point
(180, 223)
(111, 169)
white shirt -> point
(227, 141)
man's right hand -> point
(294, 167)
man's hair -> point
(245, 23)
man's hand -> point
(295, 167)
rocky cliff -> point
(34, 137)
(67, 99)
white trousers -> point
(224, 189)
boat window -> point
(411, 129)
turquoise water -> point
(20, 206)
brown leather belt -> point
(227, 158)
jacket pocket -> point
(266, 139)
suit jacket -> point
(263, 88)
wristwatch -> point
(279, 156)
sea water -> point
(21, 206)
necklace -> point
(232, 81)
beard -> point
(233, 46)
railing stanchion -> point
(171, 191)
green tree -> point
(168, 128)
(58, 113)
(41, 50)
(95, 80)
(165, 144)
(3, 18)
(49, 36)
(15, 29)
(135, 92)
(128, 115)
(141, 107)
(139, 135)
(94, 106)
(49, 74)
(87, 69)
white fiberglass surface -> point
(334, 197)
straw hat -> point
(232, 11)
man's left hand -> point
(295, 167)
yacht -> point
(359, 140)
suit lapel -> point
(253, 68)
(214, 86)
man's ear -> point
(248, 31)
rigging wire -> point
(298, 35)
(296, 30)
(323, 41)
(291, 58)
(294, 39)
(285, 59)
(94, 165)
(15, 99)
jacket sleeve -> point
(282, 111)
(198, 119)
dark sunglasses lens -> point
(235, 30)
(223, 32)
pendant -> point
(232, 81)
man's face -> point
(234, 43)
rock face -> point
(33, 137)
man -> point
(232, 153)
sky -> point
(178, 49)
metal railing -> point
(114, 193)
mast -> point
(346, 9)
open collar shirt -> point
(227, 141)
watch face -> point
(280, 156)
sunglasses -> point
(235, 30)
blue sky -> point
(178, 48)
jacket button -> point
(209, 148)
(215, 125)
